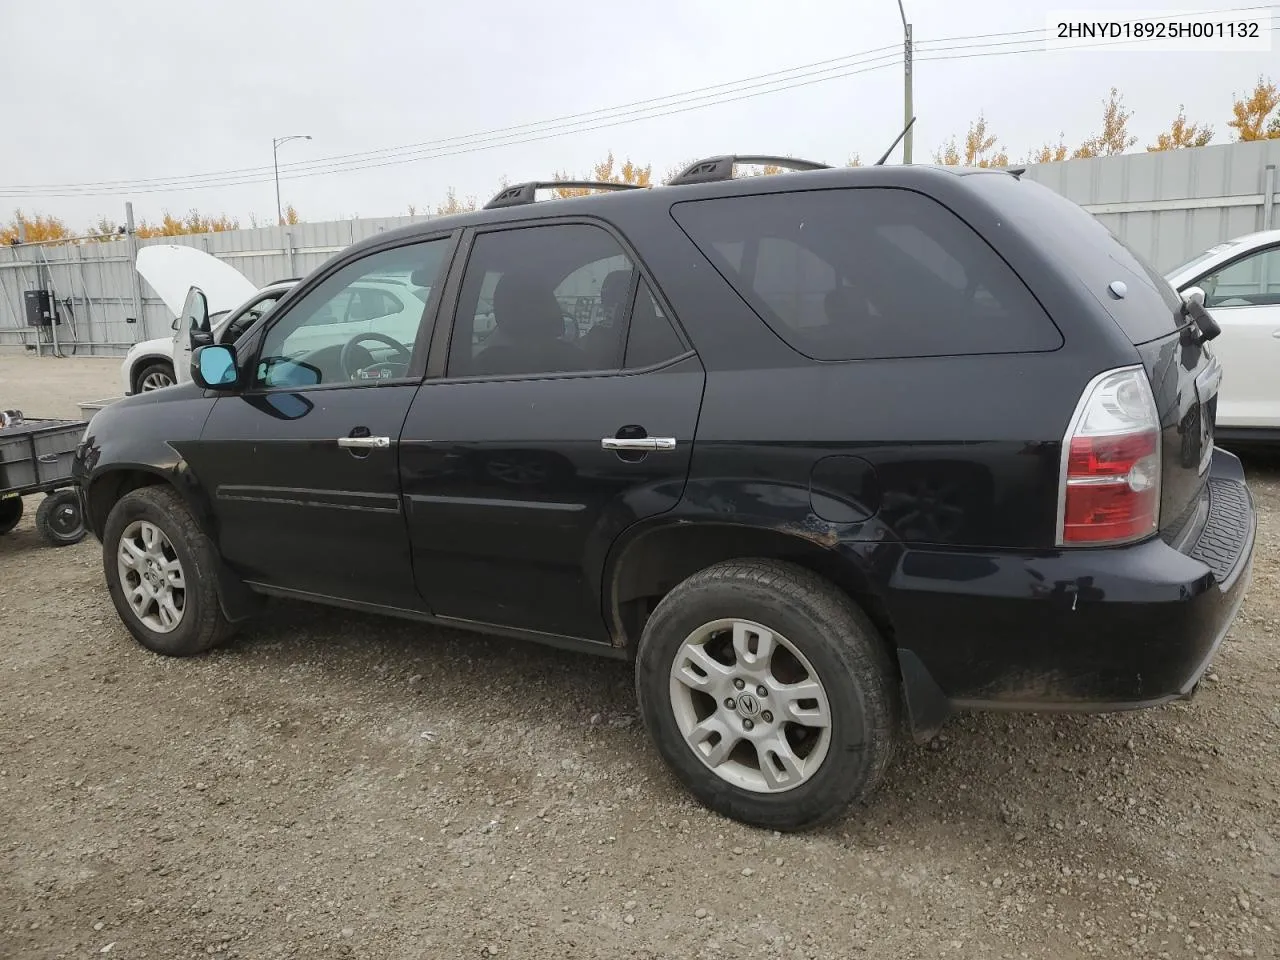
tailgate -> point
(1185, 376)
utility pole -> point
(906, 84)
(275, 164)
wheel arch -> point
(142, 362)
(644, 568)
(106, 488)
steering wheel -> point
(362, 372)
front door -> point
(302, 464)
(1244, 297)
(566, 412)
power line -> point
(831, 64)
(338, 163)
(850, 65)
(476, 148)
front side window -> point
(542, 300)
(1252, 281)
(360, 324)
(867, 273)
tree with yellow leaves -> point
(33, 229)
(1182, 134)
(454, 205)
(193, 222)
(604, 172)
(1249, 114)
(1050, 152)
(980, 149)
(1114, 138)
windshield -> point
(1211, 252)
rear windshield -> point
(863, 273)
(1150, 309)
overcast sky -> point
(100, 90)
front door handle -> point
(638, 443)
(365, 443)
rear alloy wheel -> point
(155, 376)
(768, 692)
(161, 569)
(10, 513)
(60, 519)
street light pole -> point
(906, 83)
(275, 165)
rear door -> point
(565, 411)
(1244, 297)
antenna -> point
(896, 141)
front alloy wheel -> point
(162, 572)
(151, 576)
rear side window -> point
(866, 273)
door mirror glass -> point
(214, 367)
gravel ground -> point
(339, 785)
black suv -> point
(827, 454)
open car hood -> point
(172, 269)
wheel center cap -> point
(748, 706)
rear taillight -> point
(1109, 490)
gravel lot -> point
(339, 785)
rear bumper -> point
(1088, 630)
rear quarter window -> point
(865, 273)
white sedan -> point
(1241, 284)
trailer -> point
(36, 456)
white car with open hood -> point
(215, 303)
(172, 271)
(1240, 280)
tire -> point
(10, 514)
(60, 520)
(200, 624)
(802, 612)
(154, 376)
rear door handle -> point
(638, 443)
(365, 443)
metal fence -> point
(1168, 206)
(104, 306)
(1171, 205)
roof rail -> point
(522, 193)
(721, 168)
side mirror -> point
(1193, 295)
(174, 325)
(213, 367)
(200, 338)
